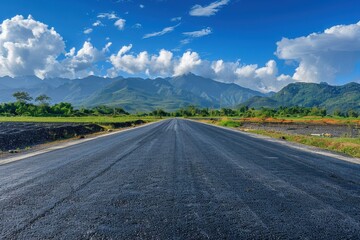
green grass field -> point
(87, 119)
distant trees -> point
(43, 99)
(159, 113)
(352, 113)
(22, 97)
(23, 107)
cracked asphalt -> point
(179, 179)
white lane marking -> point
(67, 144)
(298, 146)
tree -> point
(352, 113)
(43, 99)
(62, 108)
(159, 113)
(22, 97)
(338, 113)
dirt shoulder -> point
(16, 137)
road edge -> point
(294, 145)
(7, 160)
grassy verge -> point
(87, 119)
(349, 146)
(307, 120)
(229, 123)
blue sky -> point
(238, 38)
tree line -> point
(23, 107)
(246, 112)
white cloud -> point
(208, 10)
(27, 46)
(176, 19)
(142, 63)
(323, 56)
(110, 15)
(130, 63)
(88, 31)
(160, 33)
(164, 64)
(264, 79)
(185, 41)
(78, 64)
(120, 24)
(141, 6)
(97, 23)
(161, 65)
(187, 63)
(137, 25)
(200, 33)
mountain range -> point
(133, 94)
(341, 98)
(142, 95)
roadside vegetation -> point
(26, 106)
(349, 146)
(23, 110)
(345, 145)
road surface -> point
(179, 179)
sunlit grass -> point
(349, 146)
(305, 119)
(226, 122)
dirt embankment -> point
(15, 135)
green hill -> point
(343, 98)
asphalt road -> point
(178, 179)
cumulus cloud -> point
(79, 62)
(130, 63)
(27, 46)
(188, 62)
(162, 64)
(265, 78)
(200, 33)
(155, 65)
(120, 24)
(160, 33)
(209, 10)
(323, 56)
